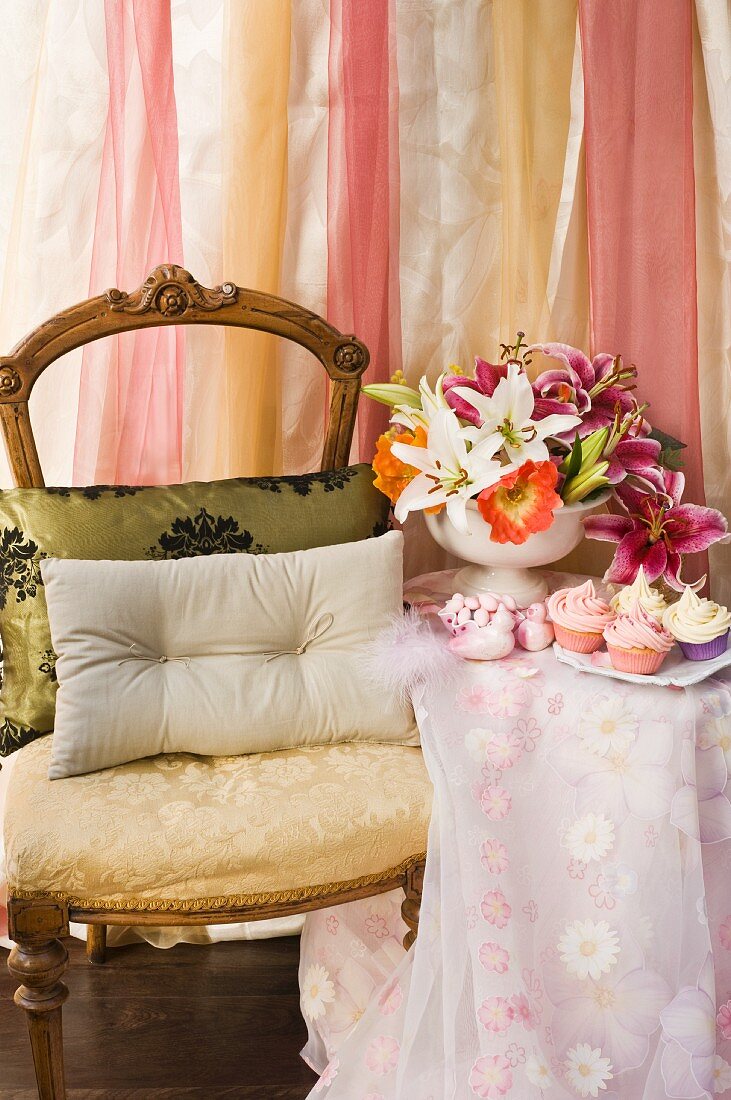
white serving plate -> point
(676, 670)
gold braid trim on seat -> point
(231, 901)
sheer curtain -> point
(712, 145)
(641, 205)
(130, 416)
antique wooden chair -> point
(171, 296)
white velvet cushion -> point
(260, 653)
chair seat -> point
(182, 832)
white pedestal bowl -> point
(504, 568)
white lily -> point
(430, 401)
(507, 416)
(450, 473)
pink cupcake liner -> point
(704, 651)
(576, 641)
(641, 662)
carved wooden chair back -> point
(171, 296)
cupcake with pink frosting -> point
(636, 642)
(579, 617)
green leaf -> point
(572, 463)
(670, 452)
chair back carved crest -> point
(171, 296)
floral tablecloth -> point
(575, 934)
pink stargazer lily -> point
(591, 388)
(655, 531)
(630, 455)
(487, 376)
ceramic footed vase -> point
(503, 568)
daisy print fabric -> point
(575, 931)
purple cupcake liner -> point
(705, 651)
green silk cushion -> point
(124, 523)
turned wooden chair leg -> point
(38, 961)
(411, 905)
(96, 943)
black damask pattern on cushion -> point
(48, 665)
(14, 737)
(19, 566)
(301, 484)
(94, 492)
(382, 527)
(192, 536)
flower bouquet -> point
(498, 462)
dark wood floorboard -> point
(191, 1023)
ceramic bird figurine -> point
(481, 626)
(534, 631)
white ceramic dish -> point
(504, 568)
(676, 670)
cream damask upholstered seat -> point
(180, 831)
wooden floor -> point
(191, 1023)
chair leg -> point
(96, 944)
(38, 961)
(411, 905)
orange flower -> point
(521, 503)
(393, 475)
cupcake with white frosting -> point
(639, 592)
(700, 626)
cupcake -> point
(700, 626)
(579, 617)
(636, 642)
(640, 592)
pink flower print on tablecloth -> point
(495, 1014)
(473, 699)
(689, 1037)
(504, 750)
(494, 856)
(515, 1054)
(723, 1019)
(527, 731)
(531, 911)
(331, 924)
(700, 808)
(390, 1000)
(381, 1057)
(716, 733)
(495, 908)
(724, 933)
(524, 673)
(507, 700)
(614, 882)
(634, 782)
(618, 1012)
(524, 1012)
(491, 1077)
(493, 957)
(555, 704)
(376, 926)
(328, 1075)
(495, 802)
